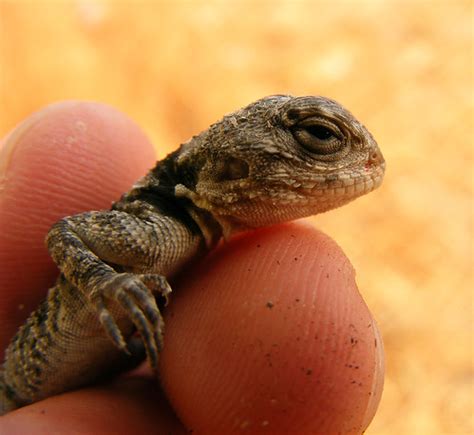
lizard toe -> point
(108, 323)
(144, 327)
(143, 296)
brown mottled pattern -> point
(277, 159)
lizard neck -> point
(158, 190)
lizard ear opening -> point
(231, 168)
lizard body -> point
(277, 159)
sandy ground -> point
(404, 68)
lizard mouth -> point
(304, 199)
(326, 192)
(365, 181)
(337, 191)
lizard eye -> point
(318, 137)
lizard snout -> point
(375, 158)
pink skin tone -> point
(268, 334)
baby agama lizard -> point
(280, 158)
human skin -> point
(266, 334)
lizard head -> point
(278, 159)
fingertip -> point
(272, 334)
(83, 151)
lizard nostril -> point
(375, 158)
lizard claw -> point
(158, 284)
(133, 293)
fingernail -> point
(378, 379)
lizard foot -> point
(134, 295)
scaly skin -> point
(278, 159)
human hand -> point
(266, 334)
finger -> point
(67, 158)
(271, 334)
(128, 405)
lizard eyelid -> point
(317, 136)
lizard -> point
(277, 159)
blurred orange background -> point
(404, 68)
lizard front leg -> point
(111, 264)
(85, 247)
